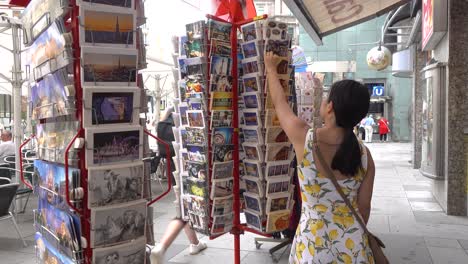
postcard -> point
(254, 185)
(307, 97)
(183, 107)
(275, 135)
(278, 47)
(272, 119)
(252, 134)
(195, 66)
(196, 170)
(219, 30)
(50, 182)
(106, 3)
(195, 118)
(252, 83)
(253, 169)
(222, 223)
(223, 170)
(47, 253)
(252, 117)
(102, 106)
(251, 31)
(277, 185)
(221, 65)
(118, 223)
(195, 211)
(221, 101)
(193, 136)
(109, 67)
(113, 145)
(57, 225)
(131, 253)
(102, 27)
(193, 186)
(222, 135)
(49, 97)
(195, 30)
(253, 203)
(220, 48)
(250, 49)
(48, 52)
(253, 151)
(115, 184)
(222, 153)
(221, 83)
(253, 220)
(182, 69)
(276, 30)
(222, 205)
(278, 221)
(53, 138)
(37, 15)
(196, 153)
(194, 48)
(221, 188)
(277, 202)
(252, 100)
(252, 65)
(278, 169)
(194, 84)
(221, 118)
(306, 113)
(278, 151)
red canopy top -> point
(19, 2)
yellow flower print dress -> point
(328, 232)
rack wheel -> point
(258, 245)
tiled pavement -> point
(404, 214)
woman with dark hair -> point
(328, 231)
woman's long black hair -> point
(350, 102)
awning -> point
(323, 17)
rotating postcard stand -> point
(64, 218)
(201, 130)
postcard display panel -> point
(204, 130)
(266, 151)
(84, 86)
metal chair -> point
(7, 170)
(4, 180)
(7, 195)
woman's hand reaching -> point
(271, 62)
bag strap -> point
(332, 177)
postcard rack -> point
(202, 94)
(81, 194)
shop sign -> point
(333, 15)
(434, 22)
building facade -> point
(343, 55)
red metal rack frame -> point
(237, 229)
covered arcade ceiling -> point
(323, 17)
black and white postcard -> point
(221, 188)
(223, 170)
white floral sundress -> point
(328, 231)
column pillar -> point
(417, 101)
(457, 109)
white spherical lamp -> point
(379, 58)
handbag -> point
(375, 243)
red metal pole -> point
(168, 160)
(67, 183)
(236, 231)
(21, 162)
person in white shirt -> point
(368, 123)
(7, 147)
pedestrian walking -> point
(368, 126)
(383, 128)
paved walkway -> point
(404, 214)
